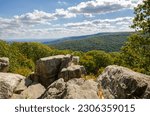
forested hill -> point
(109, 42)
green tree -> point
(95, 60)
(136, 52)
(141, 21)
(33, 50)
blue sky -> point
(62, 18)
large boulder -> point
(73, 71)
(8, 83)
(47, 69)
(122, 83)
(73, 89)
(4, 64)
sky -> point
(51, 19)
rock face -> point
(123, 83)
(73, 71)
(48, 69)
(73, 89)
(8, 82)
(34, 91)
(75, 60)
(4, 64)
(22, 85)
(82, 89)
(60, 77)
(56, 90)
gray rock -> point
(23, 85)
(4, 64)
(73, 89)
(47, 69)
(75, 60)
(8, 82)
(82, 89)
(73, 71)
(34, 77)
(123, 83)
(34, 91)
(17, 96)
(56, 90)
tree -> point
(142, 17)
(136, 52)
(94, 60)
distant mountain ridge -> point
(109, 42)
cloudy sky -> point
(23, 19)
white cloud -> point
(61, 13)
(36, 17)
(103, 6)
(62, 3)
(25, 25)
(69, 29)
(99, 22)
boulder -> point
(73, 71)
(8, 83)
(17, 96)
(81, 89)
(34, 77)
(122, 83)
(34, 91)
(22, 85)
(77, 88)
(48, 68)
(56, 90)
(4, 64)
(75, 60)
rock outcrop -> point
(73, 71)
(73, 89)
(34, 91)
(8, 83)
(60, 77)
(4, 64)
(48, 69)
(122, 83)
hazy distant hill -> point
(109, 42)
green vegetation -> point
(108, 42)
(135, 53)
(23, 56)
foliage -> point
(136, 52)
(23, 71)
(142, 17)
(108, 43)
(33, 50)
(94, 60)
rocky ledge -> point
(60, 77)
